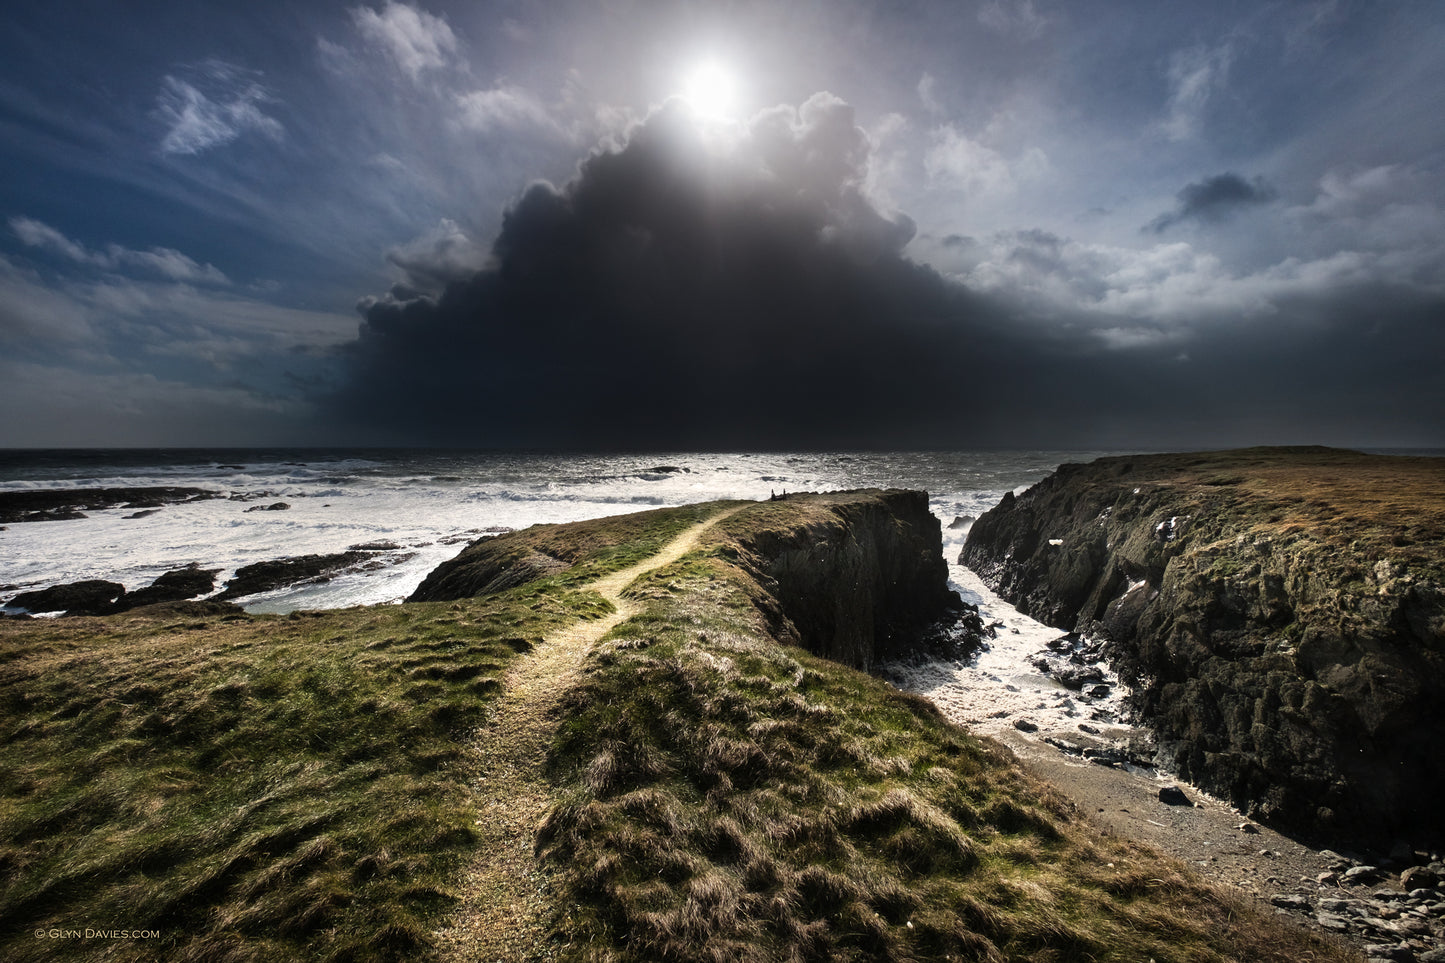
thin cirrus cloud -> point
(1195, 76)
(501, 108)
(1013, 17)
(163, 261)
(212, 105)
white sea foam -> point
(1000, 684)
(416, 500)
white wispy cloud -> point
(164, 261)
(1194, 77)
(505, 106)
(157, 302)
(1173, 291)
(441, 256)
(927, 85)
(32, 313)
(414, 39)
(956, 160)
(212, 105)
(1013, 16)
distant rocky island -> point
(1279, 613)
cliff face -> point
(1278, 611)
(852, 576)
(856, 577)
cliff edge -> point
(856, 577)
(1279, 613)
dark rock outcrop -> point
(278, 573)
(1279, 613)
(101, 597)
(174, 586)
(92, 596)
(70, 503)
(857, 576)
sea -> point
(416, 508)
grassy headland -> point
(262, 788)
(723, 797)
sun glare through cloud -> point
(711, 89)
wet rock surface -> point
(280, 573)
(103, 597)
(72, 503)
(86, 597)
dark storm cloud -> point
(686, 291)
(677, 292)
(1213, 199)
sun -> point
(711, 88)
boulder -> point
(279, 573)
(174, 586)
(1076, 676)
(87, 597)
(1419, 877)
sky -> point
(800, 225)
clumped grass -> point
(570, 555)
(1376, 505)
(722, 797)
(250, 788)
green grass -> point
(278, 788)
(725, 798)
(259, 788)
(568, 555)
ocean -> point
(418, 508)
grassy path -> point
(503, 913)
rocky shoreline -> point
(104, 597)
(1388, 906)
(1278, 615)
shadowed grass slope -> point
(726, 798)
(260, 788)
